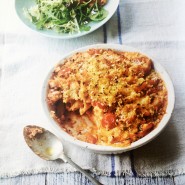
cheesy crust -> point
(107, 97)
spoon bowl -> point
(47, 146)
(44, 143)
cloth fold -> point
(153, 26)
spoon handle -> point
(93, 180)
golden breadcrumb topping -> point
(107, 97)
(33, 131)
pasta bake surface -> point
(107, 97)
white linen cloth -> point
(156, 27)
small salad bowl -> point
(21, 7)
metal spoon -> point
(47, 146)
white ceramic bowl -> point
(110, 149)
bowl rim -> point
(111, 149)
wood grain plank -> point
(112, 180)
(25, 180)
(66, 178)
(79, 179)
(148, 181)
(179, 180)
(165, 180)
(156, 181)
(10, 181)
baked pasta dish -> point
(107, 97)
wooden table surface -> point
(79, 179)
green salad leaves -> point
(65, 16)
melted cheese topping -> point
(107, 97)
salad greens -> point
(65, 16)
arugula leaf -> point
(85, 28)
(65, 16)
(99, 16)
